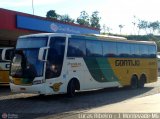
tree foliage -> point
(66, 18)
(121, 27)
(148, 27)
(154, 26)
(95, 19)
(52, 14)
(142, 25)
(83, 19)
(105, 29)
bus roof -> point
(107, 36)
(44, 34)
(118, 39)
(91, 36)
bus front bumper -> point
(35, 89)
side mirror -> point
(7, 54)
(41, 53)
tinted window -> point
(94, 48)
(25, 64)
(55, 57)
(143, 50)
(32, 42)
(123, 49)
(152, 51)
(76, 48)
(109, 49)
(8, 55)
(132, 49)
(136, 50)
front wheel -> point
(71, 89)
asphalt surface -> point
(60, 106)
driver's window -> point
(55, 57)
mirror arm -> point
(41, 53)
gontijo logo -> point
(54, 27)
(56, 86)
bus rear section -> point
(113, 62)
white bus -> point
(4, 67)
(55, 63)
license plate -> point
(22, 89)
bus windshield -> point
(25, 63)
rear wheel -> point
(142, 81)
(71, 88)
(134, 82)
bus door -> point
(55, 57)
(75, 60)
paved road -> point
(146, 104)
(60, 106)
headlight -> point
(11, 80)
(38, 82)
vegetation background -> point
(150, 30)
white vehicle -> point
(4, 66)
(62, 63)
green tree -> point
(83, 19)
(66, 18)
(154, 26)
(142, 25)
(120, 28)
(134, 24)
(95, 19)
(105, 29)
(52, 14)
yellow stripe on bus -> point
(124, 68)
(4, 76)
(17, 81)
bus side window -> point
(76, 48)
(152, 51)
(109, 49)
(123, 49)
(93, 48)
(9, 54)
(143, 50)
(136, 50)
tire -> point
(134, 82)
(71, 89)
(142, 81)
